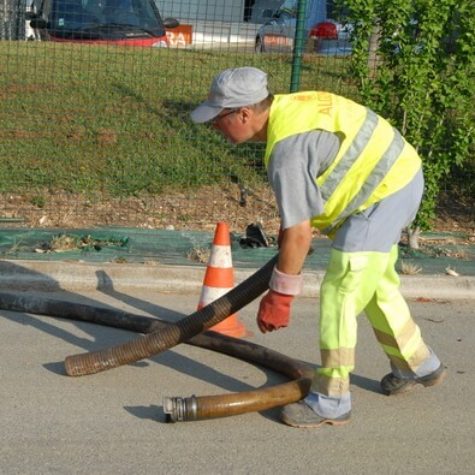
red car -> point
(118, 22)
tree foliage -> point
(421, 78)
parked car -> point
(120, 22)
(323, 35)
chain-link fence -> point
(95, 101)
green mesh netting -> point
(437, 253)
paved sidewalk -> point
(113, 422)
(55, 275)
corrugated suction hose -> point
(192, 408)
(156, 342)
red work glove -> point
(274, 311)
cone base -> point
(231, 326)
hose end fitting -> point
(179, 409)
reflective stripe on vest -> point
(359, 142)
(373, 180)
(373, 161)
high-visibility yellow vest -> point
(373, 162)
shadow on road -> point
(100, 337)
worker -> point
(336, 166)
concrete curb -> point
(76, 276)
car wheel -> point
(259, 46)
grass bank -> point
(90, 118)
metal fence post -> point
(299, 44)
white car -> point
(325, 36)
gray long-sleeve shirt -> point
(295, 163)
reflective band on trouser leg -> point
(391, 320)
(349, 284)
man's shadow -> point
(101, 337)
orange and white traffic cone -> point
(219, 279)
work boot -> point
(299, 414)
(392, 385)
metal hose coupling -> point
(178, 409)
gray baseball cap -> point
(232, 88)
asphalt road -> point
(113, 422)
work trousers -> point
(361, 277)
